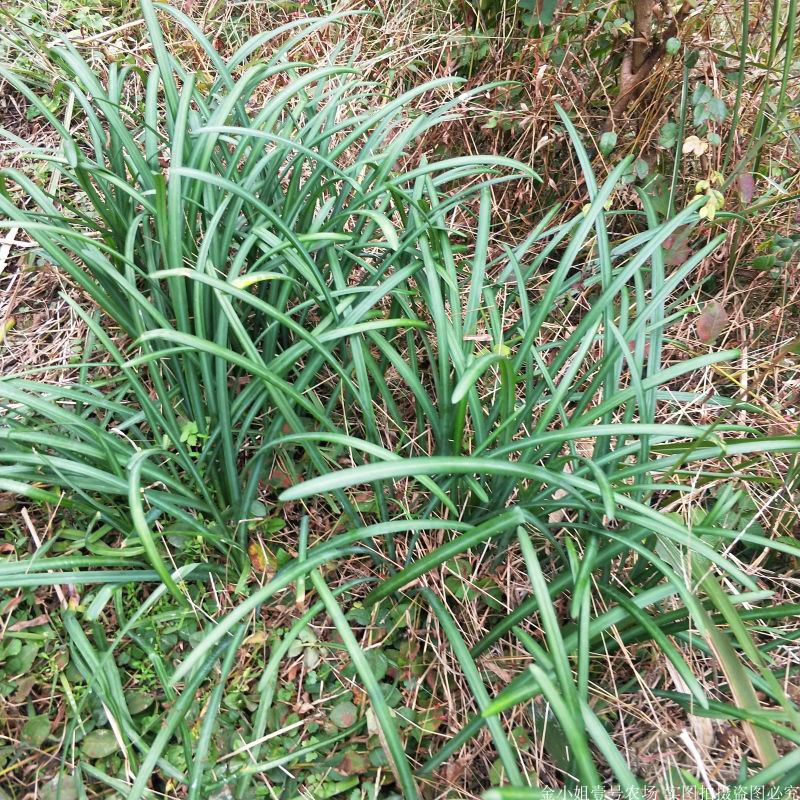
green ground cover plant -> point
(319, 374)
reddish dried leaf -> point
(24, 624)
(24, 687)
(676, 247)
(354, 763)
(259, 557)
(14, 601)
(280, 478)
(711, 322)
(747, 187)
(786, 428)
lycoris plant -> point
(270, 280)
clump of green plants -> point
(276, 296)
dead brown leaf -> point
(712, 322)
(23, 624)
(747, 187)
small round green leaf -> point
(344, 714)
(138, 701)
(608, 141)
(258, 509)
(99, 744)
(36, 730)
(63, 787)
(378, 663)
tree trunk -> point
(642, 22)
